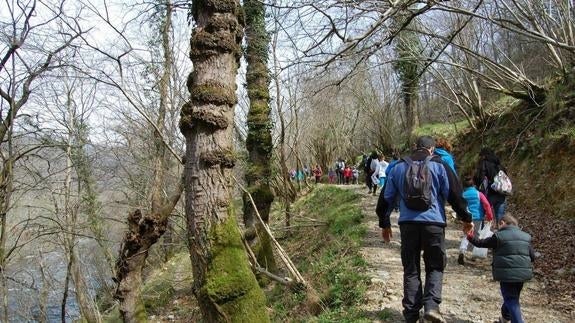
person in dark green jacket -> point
(513, 256)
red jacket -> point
(347, 172)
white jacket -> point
(379, 171)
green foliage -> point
(329, 258)
(409, 61)
(446, 130)
(385, 315)
(160, 287)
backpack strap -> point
(407, 159)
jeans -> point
(511, 310)
(431, 240)
(499, 210)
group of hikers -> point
(420, 185)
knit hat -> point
(425, 142)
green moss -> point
(214, 93)
(160, 287)
(230, 282)
(113, 316)
(220, 6)
(259, 93)
(205, 44)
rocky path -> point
(469, 293)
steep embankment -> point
(537, 145)
(469, 293)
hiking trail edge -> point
(469, 293)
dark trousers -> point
(369, 181)
(511, 309)
(339, 176)
(431, 240)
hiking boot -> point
(433, 316)
(461, 259)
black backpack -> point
(417, 184)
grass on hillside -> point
(328, 257)
(446, 130)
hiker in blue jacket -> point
(422, 229)
(443, 150)
(512, 264)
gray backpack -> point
(417, 184)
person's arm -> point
(374, 178)
(531, 253)
(486, 207)
(455, 194)
(490, 242)
(385, 201)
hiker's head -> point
(468, 181)
(373, 154)
(443, 143)
(486, 153)
(508, 219)
(425, 143)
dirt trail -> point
(469, 293)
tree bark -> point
(259, 138)
(143, 232)
(226, 288)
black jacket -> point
(489, 167)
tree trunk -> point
(226, 288)
(143, 231)
(288, 191)
(160, 156)
(259, 138)
(88, 308)
(6, 182)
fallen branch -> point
(314, 301)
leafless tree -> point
(26, 57)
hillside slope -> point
(537, 145)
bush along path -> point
(469, 293)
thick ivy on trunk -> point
(259, 139)
(408, 66)
(224, 284)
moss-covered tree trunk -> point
(259, 139)
(409, 68)
(224, 284)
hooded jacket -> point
(446, 157)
